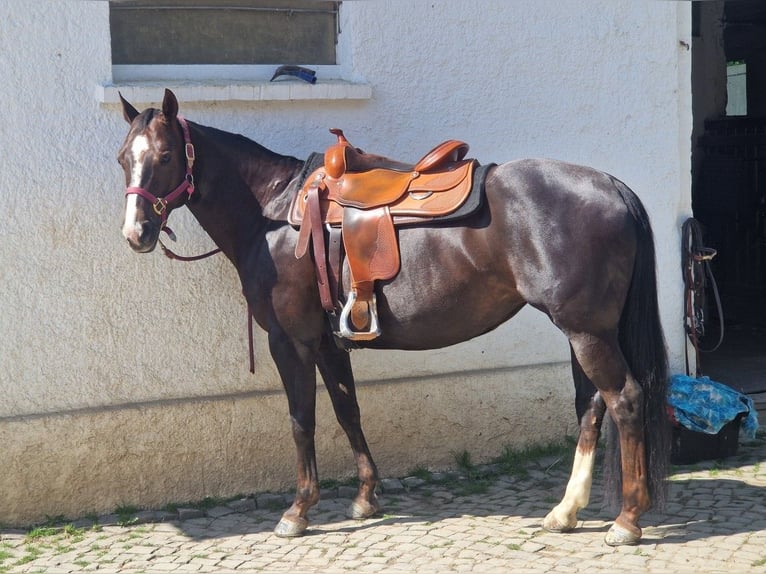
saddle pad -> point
(472, 203)
(403, 215)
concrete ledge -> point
(281, 90)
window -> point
(213, 50)
(736, 88)
(223, 32)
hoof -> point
(359, 510)
(291, 527)
(553, 524)
(619, 536)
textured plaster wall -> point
(124, 377)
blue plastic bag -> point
(703, 405)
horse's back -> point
(550, 187)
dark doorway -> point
(729, 178)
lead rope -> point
(696, 274)
(170, 254)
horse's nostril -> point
(148, 232)
(134, 245)
(131, 234)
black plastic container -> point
(691, 446)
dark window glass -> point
(223, 31)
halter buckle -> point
(160, 206)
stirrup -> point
(345, 327)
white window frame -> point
(146, 83)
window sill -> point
(257, 91)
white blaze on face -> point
(131, 226)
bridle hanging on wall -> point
(697, 275)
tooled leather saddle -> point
(360, 199)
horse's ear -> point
(128, 111)
(169, 105)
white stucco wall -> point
(124, 377)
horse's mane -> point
(253, 161)
(231, 140)
(237, 142)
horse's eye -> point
(165, 158)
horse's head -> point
(156, 156)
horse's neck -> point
(268, 177)
(265, 172)
(241, 184)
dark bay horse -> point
(568, 240)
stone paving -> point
(715, 522)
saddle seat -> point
(343, 157)
(361, 198)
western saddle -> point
(360, 199)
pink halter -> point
(160, 204)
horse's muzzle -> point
(142, 237)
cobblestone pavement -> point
(715, 522)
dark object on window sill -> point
(296, 71)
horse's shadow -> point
(708, 499)
(697, 508)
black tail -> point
(643, 345)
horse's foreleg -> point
(298, 375)
(590, 409)
(335, 366)
(603, 363)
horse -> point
(569, 240)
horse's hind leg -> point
(603, 363)
(590, 410)
(335, 367)
(584, 388)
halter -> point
(160, 204)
